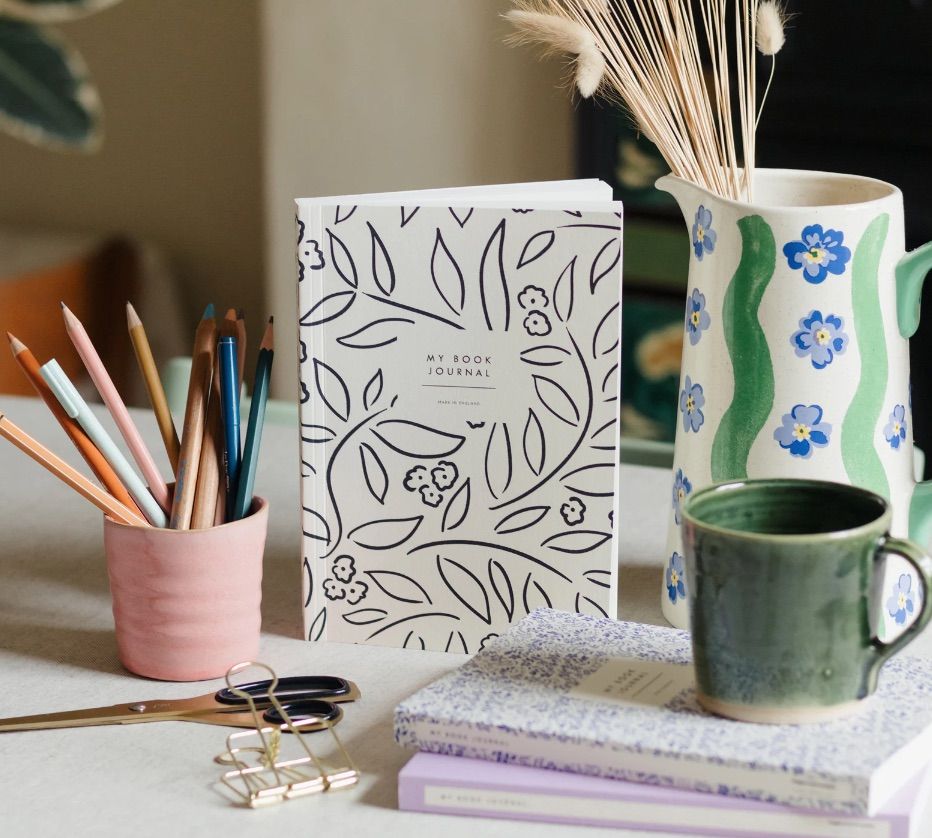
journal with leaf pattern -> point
(459, 376)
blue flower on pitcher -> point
(802, 430)
(821, 338)
(901, 600)
(895, 429)
(704, 236)
(681, 488)
(692, 400)
(697, 318)
(819, 253)
(675, 578)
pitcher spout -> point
(686, 193)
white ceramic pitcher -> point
(796, 363)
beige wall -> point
(180, 165)
(373, 95)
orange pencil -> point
(66, 473)
(105, 473)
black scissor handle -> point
(305, 710)
(295, 688)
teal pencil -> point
(260, 395)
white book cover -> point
(617, 700)
(459, 384)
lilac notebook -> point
(459, 786)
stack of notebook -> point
(594, 722)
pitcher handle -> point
(910, 274)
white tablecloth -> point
(57, 652)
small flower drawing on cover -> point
(681, 488)
(333, 589)
(820, 338)
(895, 429)
(430, 495)
(818, 253)
(537, 323)
(533, 297)
(692, 400)
(697, 318)
(573, 511)
(486, 640)
(416, 477)
(444, 475)
(356, 592)
(704, 236)
(901, 599)
(675, 578)
(344, 568)
(803, 430)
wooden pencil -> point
(195, 415)
(77, 481)
(240, 342)
(150, 375)
(92, 456)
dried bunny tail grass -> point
(559, 34)
(771, 22)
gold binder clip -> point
(277, 768)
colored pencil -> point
(260, 395)
(108, 392)
(195, 415)
(150, 375)
(75, 406)
(229, 403)
(101, 468)
(77, 481)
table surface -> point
(57, 652)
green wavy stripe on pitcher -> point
(862, 462)
(747, 347)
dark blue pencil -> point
(229, 404)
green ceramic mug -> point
(782, 577)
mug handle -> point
(920, 560)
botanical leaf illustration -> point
(309, 586)
(315, 434)
(493, 286)
(521, 519)
(534, 596)
(457, 507)
(375, 334)
(342, 261)
(501, 584)
(332, 389)
(536, 246)
(413, 641)
(534, 443)
(576, 541)
(610, 382)
(307, 469)
(342, 214)
(398, 586)
(605, 339)
(556, 400)
(386, 533)
(383, 272)
(373, 390)
(328, 308)
(315, 526)
(605, 262)
(365, 616)
(415, 440)
(447, 276)
(461, 216)
(545, 356)
(466, 587)
(374, 472)
(407, 213)
(316, 631)
(456, 643)
(498, 466)
(595, 481)
(604, 433)
(584, 605)
(602, 578)
(564, 292)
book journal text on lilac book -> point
(439, 784)
(549, 693)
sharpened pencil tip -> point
(15, 343)
(132, 319)
(230, 315)
(272, 319)
(208, 312)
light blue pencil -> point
(77, 408)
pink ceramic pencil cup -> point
(186, 603)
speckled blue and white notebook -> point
(563, 691)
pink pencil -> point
(108, 392)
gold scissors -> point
(304, 698)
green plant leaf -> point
(46, 96)
(51, 11)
